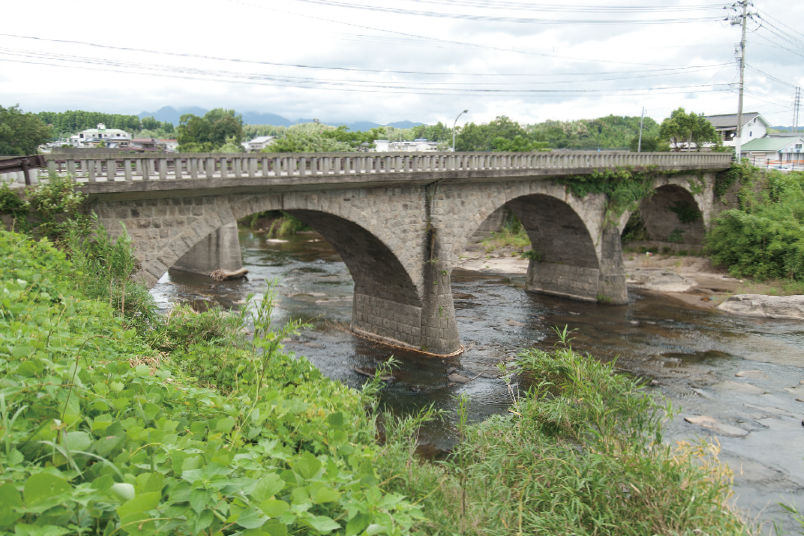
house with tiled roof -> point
(754, 127)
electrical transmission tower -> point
(796, 109)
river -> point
(689, 355)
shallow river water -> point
(691, 356)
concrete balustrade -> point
(183, 166)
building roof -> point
(770, 144)
(262, 139)
(104, 130)
(730, 120)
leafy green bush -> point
(765, 237)
(100, 434)
(52, 209)
(286, 225)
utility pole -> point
(741, 19)
(796, 109)
(641, 121)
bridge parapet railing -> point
(176, 166)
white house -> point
(92, 136)
(754, 126)
(258, 144)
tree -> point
(683, 130)
(474, 137)
(217, 128)
(308, 142)
(149, 123)
(20, 133)
(650, 144)
(517, 145)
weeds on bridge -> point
(581, 453)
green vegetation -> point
(51, 210)
(624, 188)
(513, 234)
(686, 130)
(219, 130)
(102, 433)
(286, 225)
(581, 453)
(610, 132)
(20, 133)
(764, 237)
(73, 121)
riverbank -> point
(690, 279)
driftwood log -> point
(223, 275)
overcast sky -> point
(333, 60)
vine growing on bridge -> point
(624, 187)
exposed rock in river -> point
(660, 280)
(786, 307)
(716, 426)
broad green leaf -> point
(325, 495)
(225, 425)
(275, 528)
(137, 524)
(335, 419)
(123, 491)
(307, 465)
(9, 499)
(274, 507)
(76, 441)
(267, 487)
(43, 486)
(142, 503)
(22, 529)
(322, 524)
(200, 522)
(251, 518)
(357, 524)
(375, 529)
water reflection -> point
(690, 355)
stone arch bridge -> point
(399, 221)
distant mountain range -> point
(172, 115)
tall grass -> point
(580, 453)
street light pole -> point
(453, 128)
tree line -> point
(222, 130)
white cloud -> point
(264, 31)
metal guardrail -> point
(176, 166)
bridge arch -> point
(678, 212)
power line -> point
(667, 70)
(487, 4)
(770, 76)
(296, 82)
(439, 40)
(517, 20)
